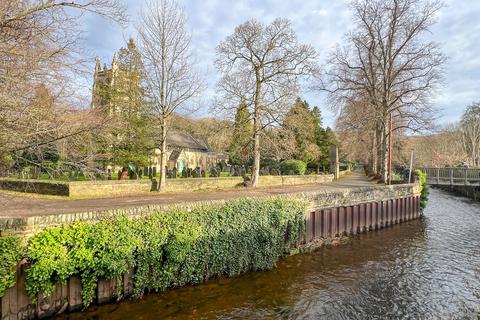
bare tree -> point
(389, 60)
(470, 129)
(40, 46)
(172, 81)
(261, 65)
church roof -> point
(185, 140)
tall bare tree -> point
(261, 65)
(40, 46)
(389, 60)
(172, 80)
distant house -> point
(185, 151)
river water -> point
(424, 269)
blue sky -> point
(321, 23)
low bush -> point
(293, 167)
(422, 178)
(166, 249)
(270, 164)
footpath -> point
(24, 206)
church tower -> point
(117, 90)
(103, 84)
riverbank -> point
(74, 259)
(423, 269)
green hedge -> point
(422, 177)
(293, 167)
(166, 249)
(10, 254)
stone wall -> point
(115, 188)
(35, 186)
(108, 188)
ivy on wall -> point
(166, 249)
(422, 178)
(10, 254)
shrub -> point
(10, 254)
(167, 249)
(293, 167)
(269, 163)
(422, 178)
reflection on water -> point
(424, 269)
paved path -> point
(17, 206)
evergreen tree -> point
(240, 148)
(304, 137)
(298, 132)
(131, 130)
(325, 140)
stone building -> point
(186, 151)
(183, 150)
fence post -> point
(466, 176)
(451, 177)
(438, 175)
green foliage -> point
(92, 251)
(304, 137)
(293, 167)
(167, 249)
(325, 139)
(298, 131)
(10, 254)
(240, 147)
(422, 177)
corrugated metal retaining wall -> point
(350, 220)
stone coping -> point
(148, 181)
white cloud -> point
(321, 23)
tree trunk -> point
(256, 132)
(374, 152)
(256, 159)
(163, 156)
(384, 154)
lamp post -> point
(390, 131)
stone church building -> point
(183, 150)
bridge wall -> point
(343, 212)
(471, 192)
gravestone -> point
(124, 174)
(184, 172)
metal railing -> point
(453, 176)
